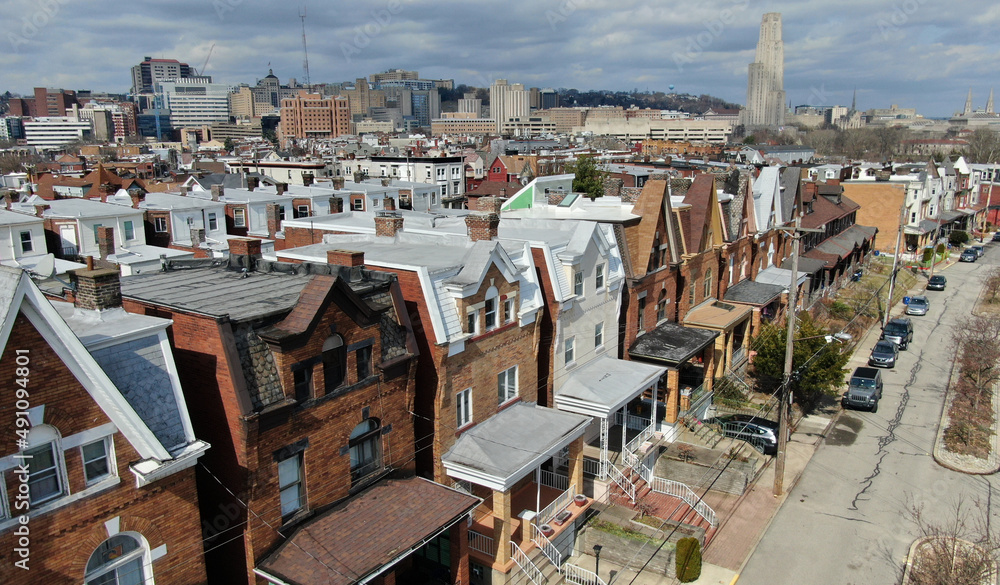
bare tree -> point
(991, 285)
(959, 550)
(978, 356)
(984, 146)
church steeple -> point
(854, 102)
(968, 104)
(989, 103)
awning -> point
(753, 293)
(843, 244)
(806, 264)
(604, 385)
(717, 315)
(501, 450)
(780, 277)
(672, 344)
(368, 534)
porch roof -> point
(368, 534)
(604, 385)
(749, 292)
(671, 343)
(779, 276)
(512, 443)
(717, 315)
(806, 264)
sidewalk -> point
(746, 519)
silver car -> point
(918, 306)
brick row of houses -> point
(390, 395)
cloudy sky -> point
(915, 53)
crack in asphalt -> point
(846, 518)
(890, 436)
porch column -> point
(459, 537)
(501, 525)
(656, 397)
(604, 447)
(576, 466)
(672, 395)
(624, 429)
(709, 371)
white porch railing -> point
(482, 543)
(679, 490)
(554, 480)
(529, 568)
(545, 545)
(628, 453)
(623, 482)
(631, 421)
(559, 504)
(739, 354)
(581, 576)
(592, 467)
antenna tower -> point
(305, 50)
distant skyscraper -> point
(147, 73)
(508, 100)
(766, 81)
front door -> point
(68, 241)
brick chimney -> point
(8, 199)
(244, 247)
(336, 205)
(105, 241)
(490, 205)
(40, 210)
(137, 197)
(106, 190)
(482, 226)
(389, 204)
(338, 182)
(273, 213)
(387, 223)
(281, 188)
(253, 183)
(97, 290)
(217, 191)
(345, 258)
(197, 236)
(185, 190)
(308, 179)
(386, 181)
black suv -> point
(900, 331)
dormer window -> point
(578, 283)
(599, 277)
(472, 322)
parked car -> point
(996, 237)
(979, 250)
(899, 331)
(968, 256)
(864, 389)
(884, 354)
(937, 282)
(761, 433)
(918, 306)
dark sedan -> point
(884, 355)
(937, 282)
(968, 256)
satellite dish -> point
(46, 266)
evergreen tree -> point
(588, 180)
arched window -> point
(46, 479)
(708, 283)
(119, 560)
(334, 362)
(366, 449)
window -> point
(302, 211)
(44, 481)
(366, 449)
(491, 313)
(239, 217)
(708, 283)
(599, 335)
(281, 213)
(578, 283)
(599, 279)
(334, 362)
(440, 173)
(508, 310)
(507, 384)
(26, 242)
(213, 222)
(463, 407)
(129, 231)
(472, 322)
(96, 225)
(691, 292)
(160, 225)
(95, 461)
(302, 380)
(117, 560)
(190, 222)
(364, 359)
(642, 313)
(569, 353)
(291, 484)
(358, 204)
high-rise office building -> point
(147, 73)
(193, 101)
(766, 79)
(508, 100)
(310, 115)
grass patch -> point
(622, 532)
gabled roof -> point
(653, 204)
(703, 215)
(767, 199)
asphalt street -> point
(846, 521)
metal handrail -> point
(581, 576)
(545, 545)
(628, 452)
(592, 467)
(677, 489)
(623, 482)
(554, 480)
(533, 572)
(482, 543)
(559, 504)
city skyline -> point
(911, 53)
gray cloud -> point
(915, 53)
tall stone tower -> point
(766, 81)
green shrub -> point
(841, 310)
(688, 560)
(958, 237)
(941, 249)
(928, 252)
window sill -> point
(104, 484)
(508, 403)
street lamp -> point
(597, 563)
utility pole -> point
(783, 416)
(895, 261)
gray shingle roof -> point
(672, 343)
(753, 293)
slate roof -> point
(514, 438)
(671, 343)
(807, 263)
(357, 538)
(842, 244)
(699, 196)
(753, 293)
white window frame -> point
(58, 463)
(29, 241)
(358, 204)
(508, 310)
(239, 217)
(298, 484)
(160, 225)
(599, 277)
(463, 408)
(213, 222)
(472, 321)
(578, 283)
(599, 335)
(490, 314)
(141, 553)
(569, 350)
(108, 457)
(507, 388)
(129, 228)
